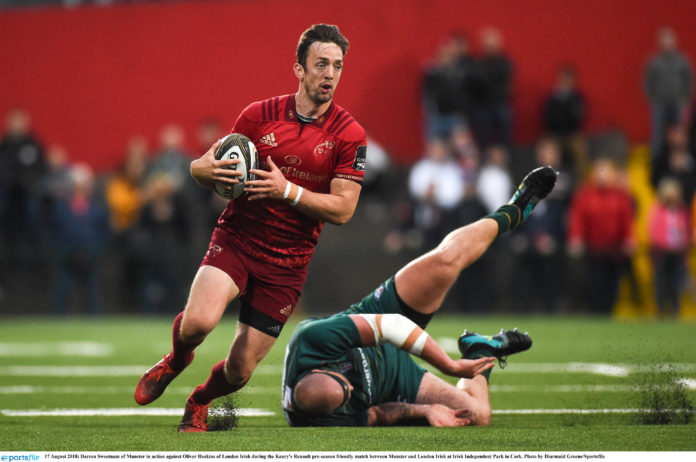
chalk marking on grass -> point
(114, 412)
(665, 367)
(89, 349)
(688, 383)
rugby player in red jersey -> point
(312, 156)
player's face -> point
(323, 71)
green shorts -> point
(397, 363)
(382, 300)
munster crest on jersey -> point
(324, 149)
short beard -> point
(318, 98)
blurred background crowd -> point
(578, 246)
(617, 229)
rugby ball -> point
(237, 146)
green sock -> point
(508, 217)
(482, 354)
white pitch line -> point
(613, 370)
(89, 349)
(96, 371)
(74, 371)
(254, 412)
(252, 390)
(83, 390)
(448, 344)
(111, 412)
(563, 388)
(567, 411)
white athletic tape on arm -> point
(287, 190)
(419, 344)
(299, 194)
(397, 330)
(372, 321)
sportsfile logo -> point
(18, 457)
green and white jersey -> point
(378, 374)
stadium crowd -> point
(132, 232)
(579, 244)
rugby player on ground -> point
(354, 368)
(312, 156)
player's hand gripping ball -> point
(237, 146)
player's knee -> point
(447, 263)
(195, 329)
(483, 416)
(238, 371)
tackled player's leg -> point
(472, 394)
(423, 283)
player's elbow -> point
(373, 416)
(341, 218)
(377, 417)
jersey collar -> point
(291, 113)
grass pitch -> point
(587, 384)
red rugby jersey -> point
(309, 155)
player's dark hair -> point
(325, 33)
